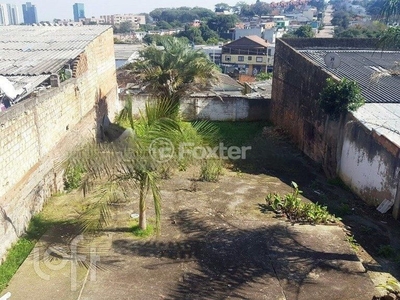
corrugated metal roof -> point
(382, 118)
(37, 50)
(365, 67)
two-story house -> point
(247, 55)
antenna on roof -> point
(332, 60)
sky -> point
(48, 10)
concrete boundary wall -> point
(367, 162)
(214, 108)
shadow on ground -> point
(245, 264)
(275, 155)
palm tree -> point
(391, 37)
(391, 10)
(124, 164)
(174, 69)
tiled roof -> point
(368, 68)
(257, 40)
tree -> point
(125, 164)
(261, 8)
(124, 27)
(193, 34)
(341, 18)
(221, 7)
(304, 31)
(391, 10)
(222, 23)
(391, 37)
(171, 72)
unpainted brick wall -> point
(37, 134)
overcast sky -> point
(50, 9)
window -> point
(269, 52)
(240, 58)
(250, 58)
(259, 59)
(228, 58)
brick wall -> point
(297, 83)
(37, 134)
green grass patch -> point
(239, 133)
(20, 250)
(143, 233)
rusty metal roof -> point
(39, 50)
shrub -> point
(339, 97)
(73, 177)
(293, 207)
(210, 170)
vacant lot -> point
(216, 242)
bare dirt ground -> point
(216, 243)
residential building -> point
(248, 55)
(30, 13)
(4, 20)
(117, 19)
(213, 52)
(13, 14)
(79, 11)
(239, 33)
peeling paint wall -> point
(367, 167)
(368, 163)
(215, 109)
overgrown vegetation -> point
(339, 97)
(73, 177)
(296, 210)
(210, 170)
(263, 76)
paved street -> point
(328, 30)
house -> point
(68, 86)
(362, 148)
(248, 55)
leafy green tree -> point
(207, 33)
(125, 164)
(304, 31)
(171, 72)
(244, 10)
(221, 7)
(222, 23)
(375, 30)
(163, 25)
(390, 39)
(125, 27)
(261, 8)
(341, 18)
